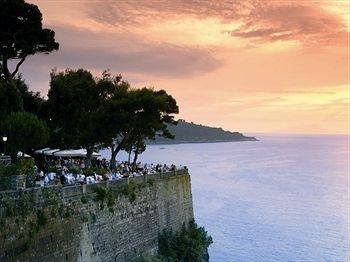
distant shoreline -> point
(253, 139)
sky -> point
(248, 66)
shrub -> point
(130, 191)
(84, 200)
(189, 244)
(148, 258)
(105, 194)
(101, 193)
(74, 170)
(41, 218)
(92, 170)
(23, 166)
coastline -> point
(253, 139)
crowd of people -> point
(74, 171)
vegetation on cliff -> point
(190, 244)
(24, 214)
(24, 166)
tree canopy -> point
(10, 99)
(74, 100)
(21, 35)
(82, 111)
(89, 112)
(133, 115)
(25, 132)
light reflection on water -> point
(281, 198)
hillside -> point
(186, 132)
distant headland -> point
(189, 132)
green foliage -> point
(25, 132)
(131, 115)
(107, 195)
(93, 218)
(41, 217)
(32, 101)
(16, 97)
(146, 112)
(11, 100)
(89, 171)
(24, 166)
(189, 244)
(32, 211)
(25, 204)
(84, 200)
(8, 170)
(84, 218)
(5, 183)
(130, 191)
(74, 94)
(148, 258)
(21, 35)
(101, 193)
(150, 181)
(74, 170)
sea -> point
(282, 198)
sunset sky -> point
(249, 66)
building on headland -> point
(77, 223)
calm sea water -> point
(283, 198)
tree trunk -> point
(89, 152)
(112, 162)
(115, 150)
(5, 70)
(7, 76)
(129, 156)
(135, 158)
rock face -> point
(91, 233)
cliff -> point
(186, 132)
(81, 223)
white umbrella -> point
(73, 153)
(41, 151)
(21, 154)
(50, 152)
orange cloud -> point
(267, 66)
(309, 24)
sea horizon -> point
(279, 198)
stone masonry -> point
(122, 234)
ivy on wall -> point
(24, 215)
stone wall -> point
(84, 230)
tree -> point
(89, 112)
(10, 99)
(21, 35)
(25, 132)
(72, 101)
(16, 97)
(32, 101)
(134, 144)
(74, 109)
(146, 113)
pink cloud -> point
(308, 24)
(262, 21)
